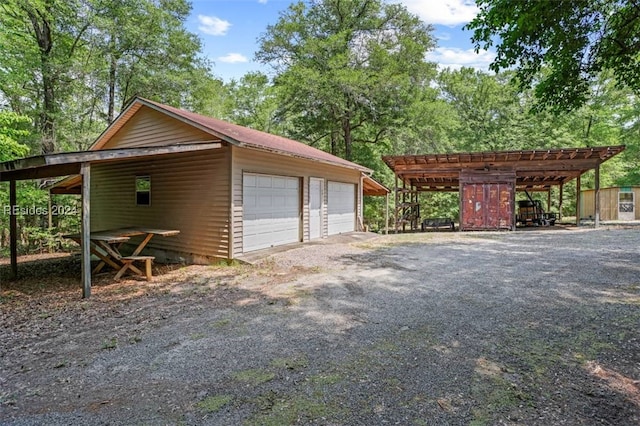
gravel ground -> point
(513, 328)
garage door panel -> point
(341, 207)
(271, 211)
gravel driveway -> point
(516, 328)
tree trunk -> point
(42, 31)
(112, 89)
(348, 139)
(334, 143)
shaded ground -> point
(531, 328)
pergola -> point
(534, 170)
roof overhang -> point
(69, 163)
(372, 187)
(536, 170)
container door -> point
(473, 208)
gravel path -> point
(524, 328)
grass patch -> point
(297, 410)
(110, 344)
(293, 363)
(496, 397)
(213, 404)
(197, 336)
(221, 323)
(326, 379)
(254, 376)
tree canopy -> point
(347, 69)
(560, 47)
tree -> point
(254, 102)
(38, 38)
(346, 69)
(13, 127)
(70, 65)
(491, 115)
(573, 41)
(145, 49)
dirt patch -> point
(439, 328)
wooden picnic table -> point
(106, 246)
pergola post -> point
(578, 197)
(386, 214)
(549, 199)
(560, 201)
(85, 171)
(395, 214)
(13, 229)
(597, 197)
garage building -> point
(228, 189)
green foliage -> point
(254, 103)
(70, 65)
(12, 129)
(573, 42)
(346, 70)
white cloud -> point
(455, 58)
(443, 36)
(213, 25)
(262, 1)
(443, 12)
(233, 58)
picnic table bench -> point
(106, 246)
(438, 222)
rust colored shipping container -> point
(486, 201)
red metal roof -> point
(251, 138)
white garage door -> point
(341, 204)
(271, 211)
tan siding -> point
(152, 128)
(608, 203)
(587, 203)
(252, 161)
(189, 192)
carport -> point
(75, 163)
(494, 177)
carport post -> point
(395, 213)
(85, 171)
(597, 196)
(386, 215)
(13, 229)
(560, 202)
(578, 201)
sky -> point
(229, 30)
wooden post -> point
(386, 215)
(404, 201)
(85, 242)
(549, 200)
(578, 201)
(50, 212)
(13, 229)
(395, 215)
(597, 196)
(560, 202)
